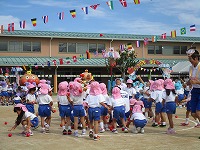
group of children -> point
(90, 104)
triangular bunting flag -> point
(22, 24)
(11, 27)
(110, 4)
(173, 33)
(137, 1)
(94, 6)
(74, 58)
(61, 15)
(73, 13)
(123, 2)
(85, 9)
(34, 21)
(45, 19)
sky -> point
(150, 17)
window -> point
(15, 46)
(81, 48)
(3, 46)
(62, 47)
(72, 47)
(154, 49)
(180, 50)
(92, 48)
(27, 46)
(101, 47)
(36, 46)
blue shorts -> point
(170, 107)
(127, 114)
(44, 110)
(4, 93)
(30, 108)
(181, 97)
(94, 113)
(140, 123)
(147, 104)
(35, 122)
(65, 111)
(188, 106)
(119, 112)
(186, 93)
(195, 100)
(10, 94)
(78, 111)
(17, 101)
(104, 111)
(160, 108)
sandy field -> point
(153, 138)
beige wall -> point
(45, 47)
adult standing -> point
(194, 80)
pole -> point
(55, 81)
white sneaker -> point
(125, 130)
(115, 131)
(83, 132)
(76, 134)
(43, 131)
(142, 130)
(135, 130)
(102, 130)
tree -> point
(127, 59)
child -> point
(17, 99)
(64, 107)
(139, 120)
(104, 111)
(26, 118)
(169, 96)
(76, 98)
(118, 105)
(45, 107)
(156, 95)
(4, 93)
(94, 100)
(180, 92)
(129, 89)
(30, 98)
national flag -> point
(1, 71)
(164, 36)
(88, 54)
(54, 62)
(34, 21)
(146, 41)
(61, 15)
(110, 4)
(81, 57)
(2, 29)
(183, 31)
(11, 27)
(73, 13)
(154, 38)
(74, 58)
(36, 65)
(94, 6)
(22, 24)
(129, 46)
(48, 63)
(123, 2)
(173, 33)
(96, 53)
(192, 27)
(85, 9)
(122, 47)
(137, 1)
(100, 34)
(137, 43)
(45, 19)
(61, 61)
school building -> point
(61, 56)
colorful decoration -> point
(28, 77)
(142, 63)
(86, 76)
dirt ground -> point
(153, 138)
